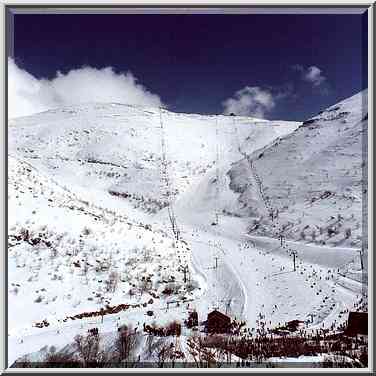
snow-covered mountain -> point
(314, 178)
(116, 149)
(90, 240)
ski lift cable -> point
(166, 179)
(170, 205)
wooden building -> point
(294, 325)
(357, 323)
(218, 322)
(192, 319)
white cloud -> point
(250, 101)
(314, 76)
(28, 95)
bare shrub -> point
(173, 328)
(163, 354)
(337, 361)
(88, 348)
(126, 344)
(23, 362)
(145, 285)
(166, 352)
(152, 344)
(112, 282)
(86, 231)
(203, 356)
(59, 359)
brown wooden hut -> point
(218, 322)
(357, 323)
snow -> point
(89, 226)
(314, 176)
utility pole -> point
(236, 136)
(215, 267)
(102, 314)
(361, 258)
(294, 258)
(185, 271)
(228, 306)
(81, 245)
(364, 279)
(217, 182)
(311, 315)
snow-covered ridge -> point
(315, 176)
(89, 228)
(81, 181)
(117, 148)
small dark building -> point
(357, 323)
(294, 325)
(192, 319)
(218, 322)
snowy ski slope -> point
(88, 223)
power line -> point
(166, 180)
(294, 253)
(217, 177)
(170, 205)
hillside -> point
(313, 179)
(116, 149)
(90, 240)
(84, 179)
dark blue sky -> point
(194, 62)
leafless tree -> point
(126, 344)
(55, 358)
(153, 343)
(166, 352)
(203, 356)
(112, 281)
(145, 285)
(163, 354)
(88, 348)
